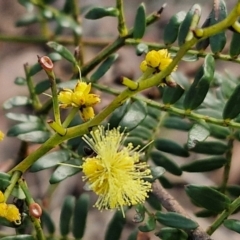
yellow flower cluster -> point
(158, 60)
(115, 174)
(1, 135)
(80, 97)
(9, 211)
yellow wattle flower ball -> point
(115, 174)
(3, 209)
(163, 53)
(2, 198)
(13, 214)
(143, 66)
(2, 135)
(153, 58)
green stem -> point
(15, 177)
(70, 117)
(119, 42)
(227, 167)
(122, 28)
(29, 200)
(224, 215)
(122, 97)
(56, 110)
(35, 100)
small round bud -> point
(46, 63)
(143, 66)
(35, 210)
(153, 58)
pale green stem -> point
(122, 28)
(70, 117)
(35, 100)
(227, 166)
(14, 179)
(224, 215)
(29, 201)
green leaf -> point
(198, 133)
(156, 173)
(103, 68)
(234, 49)
(118, 114)
(63, 51)
(232, 108)
(199, 88)
(27, 19)
(210, 147)
(6, 223)
(141, 48)
(219, 131)
(20, 81)
(42, 86)
(100, 12)
(208, 198)
(205, 165)
(18, 193)
(169, 146)
(66, 215)
(115, 226)
(176, 220)
(149, 225)
(149, 122)
(141, 132)
(185, 25)
(25, 127)
(140, 22)
(177, 123)
(28, 5)
(135, 141)
(22, 117)
(154, 112)
(234, 190)
(62, 172)
(140, 210)
(161, 160)
(232, 224)
(205, 213)
(168, 233)
(133, 235)
(34, 137)
(50, 160)
(165, 182)
(154, 202)
(219, 13)
(172, 94)
(47, 221)
(171, 29)
(135, 114)
(19, 237)
(16, 102)
(80, 216)
(203, 44)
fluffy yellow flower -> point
(3, 209)
(13, 214)
(158, 60)
(115, 174)
(1, 135)
(80, 97)
(2, 198)
(153, 58)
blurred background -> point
(13, 55)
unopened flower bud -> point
(35, 210)
(46, 63)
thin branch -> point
(171, 205)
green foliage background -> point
(192, 122)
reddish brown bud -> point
(35, 210)
(46, 63)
